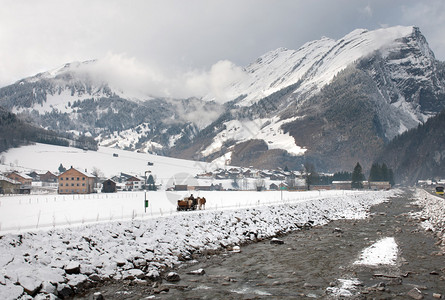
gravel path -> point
(316, 262)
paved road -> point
(315, 263)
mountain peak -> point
(317, 62)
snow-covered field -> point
(30, 212)
(62, 258)
(42, 158)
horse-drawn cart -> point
(191, 203)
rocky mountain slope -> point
(356, 95)
(331, 103)
(72, 98)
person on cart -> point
(194, 200)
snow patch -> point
(345, 288)
(383, 252)
(268, 130)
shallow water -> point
(314, 263)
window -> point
(72, 184)
(72, 178)
(83, 184)
(67, 185)
(77, 179)
(67, 178)
(61, 178)
(61, 184)
(83, 178)
(77, 184)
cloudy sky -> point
(168, 41)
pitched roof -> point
(23, 175)
(81, 172)
(3, 178)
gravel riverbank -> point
(320, 261)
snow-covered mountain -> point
(381, 82)
(76, 98)
(331, 103)
(315, 64)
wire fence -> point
(35, 212)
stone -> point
(172, 277)
(437, 295)
(139, 262)
(64, 290)
(44, 296)
(132, 274)
(98, 296)
(11, 291)
(153, 275)
(72, 268)
(161, 289)
(87, 269)
(30, 284)
(197, 272)
(120, 262)
(48, 288)
(337, 230)
(276, 241)
(415, 293)
(95, 277)
(236, 249)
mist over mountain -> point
(331, 103)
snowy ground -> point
(109, 162)
(433, 213)
(42, 158)
(61, 259)
(31, 212)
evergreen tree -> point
(357, 177)
(385, 174)
(374, 173)
(342, 176)
(391, 177)
(312, 177)
(61, 168)
(381, 173)
(151, 185)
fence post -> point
(38, 219)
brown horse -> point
(201, 202)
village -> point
(77, 181)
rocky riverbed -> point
(340, 259)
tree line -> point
(15, 132)
(378, 172)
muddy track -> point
(313, 263)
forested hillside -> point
(15, 132)
(418, 153)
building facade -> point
(9, 186)
(74, 181)
(22, 178)
(109, 186)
